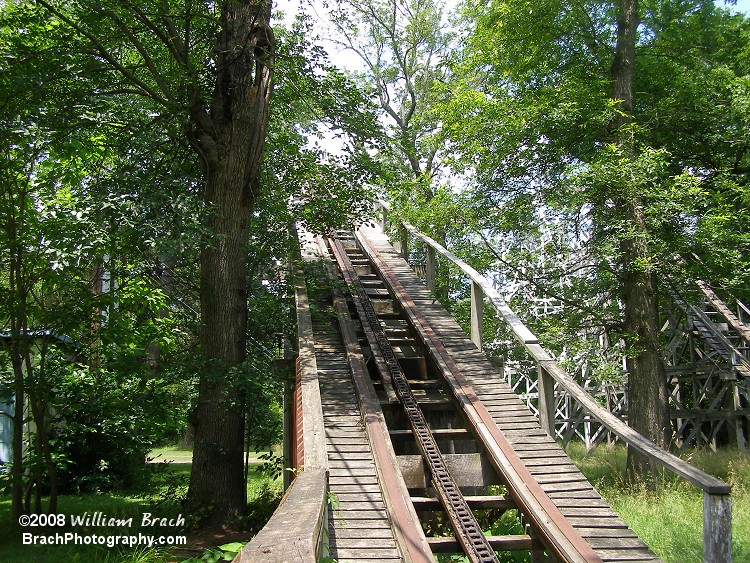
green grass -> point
(173, 454)
(178, 454)
(116, 506)
(172, 471)
(670, 519)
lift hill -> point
(406, 440)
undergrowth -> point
(670, 518)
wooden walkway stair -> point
(358, 526)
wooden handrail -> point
(742, 307)
(717, 527)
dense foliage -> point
(102, 229)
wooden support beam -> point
(500, 502)
(439, 433)
(717, 528)
(468, 470)
(498, 543)
(431, 269)
(404, 240)
(546, 386)
(477, 312)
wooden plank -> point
(594, 502)
(499, 543)
(534, 451)
(335, 412)
(468, 470)
(355, 462)
(536, 445)
(616, 543)
(350, 457)
(352, 473)
(342, 423)
(362, 542)
(503, 414)
(520, 440)
(607, 532)
(369, 533)
(624, 555)
(347, 478)
(522, 435)
(342, 555)
(348, 446)
(554, 463)
(355, 476)
(346, 432)
(554, 488)
(519, 427)
(540, 468)
(363, 512)
(347, 523)
(597, 522)
(351, 502)
(550, 478)
(340, 420)
(362, 488)
(589, 511)
(565, 492)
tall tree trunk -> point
(229, 137)
(18, 343)
(39, 395)
(16, 470)
(648, 407)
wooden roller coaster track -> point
(409, 443)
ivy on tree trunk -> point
(229, 136)
(648, 407)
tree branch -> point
(104, 53)
(545, 290)
(171, 39)
(147, 60)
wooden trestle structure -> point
(408, 443)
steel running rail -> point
(468, 531)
